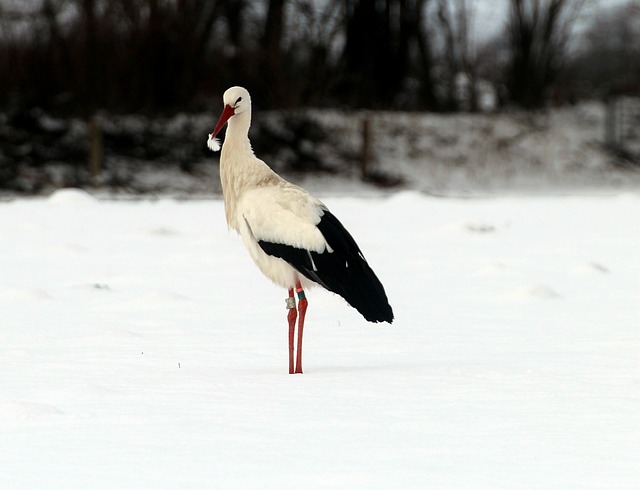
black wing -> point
(343, 271)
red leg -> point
(291, 317)
(302, 309)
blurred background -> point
(121, 94)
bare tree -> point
(272, 46)
(454, 21)
(539, 31)
(157, 55)
(608, 56)
(380, 38)
(320, 25)
(425, 59)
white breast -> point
(283, 214)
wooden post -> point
(96, 151)
(610, 123)
(366, 154)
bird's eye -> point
(238, 100)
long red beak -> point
(224, 117)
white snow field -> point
(141, 349)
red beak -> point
(226, 114)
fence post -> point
(96, 151)
(611, 124)
(366, 154)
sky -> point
(492, 14)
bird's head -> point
(236, 101)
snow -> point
(141, 349)
(483, 154)
(552, 150)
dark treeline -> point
(78, 56)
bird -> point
(291, 235)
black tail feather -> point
(343, 271)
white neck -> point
(238, 129)
(239, 168)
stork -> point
(291, 236)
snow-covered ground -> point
(141, 349)
(553, 150)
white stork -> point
(291, 236)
